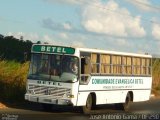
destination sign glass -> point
(53, 49)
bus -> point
(61, 75)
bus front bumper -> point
(48, 99)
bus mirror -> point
(87, 59)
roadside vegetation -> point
(13, 67)
(156, 76)
(14, 49)
(13, 80)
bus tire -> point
(125, 106)
(46, 107)
(89, 104)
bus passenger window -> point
(95, 62)
(85, 62)
(105, 64)
(85, 69)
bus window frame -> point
(122, 65)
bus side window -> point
(85, 69)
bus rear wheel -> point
(125, 106)
(89, 104)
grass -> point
(13, 76)
(156, 76)
(13, 80)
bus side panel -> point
(110, 97)
(141, 95)
(114, 89)
(102, 97)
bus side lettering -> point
(117, 81)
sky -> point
(117, 25)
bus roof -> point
(100, 51)
(113, 52)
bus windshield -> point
(53, 67)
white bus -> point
(85, 77)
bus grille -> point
(45, 90)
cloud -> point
(50, 24)
(63, 35)
(57, 39)
(34, 37)
(65, 27)
(144, 5)
(45, 38)
(48, 39)
(156, 31)
(77, 44)
(102, 25)
(121, 42)
(110, 19)
(101, 19)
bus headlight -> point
(68, 96)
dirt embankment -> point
(2, 106)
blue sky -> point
(120, 25)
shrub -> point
(13, 80)
(156, 74)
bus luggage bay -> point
(87, 77)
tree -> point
(14, 49)
(38, 42)
(1, 36)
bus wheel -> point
(124, 106)
(88, 107)
(46, 107)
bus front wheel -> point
(89, 104)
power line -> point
(148, 5)
(123, 14)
